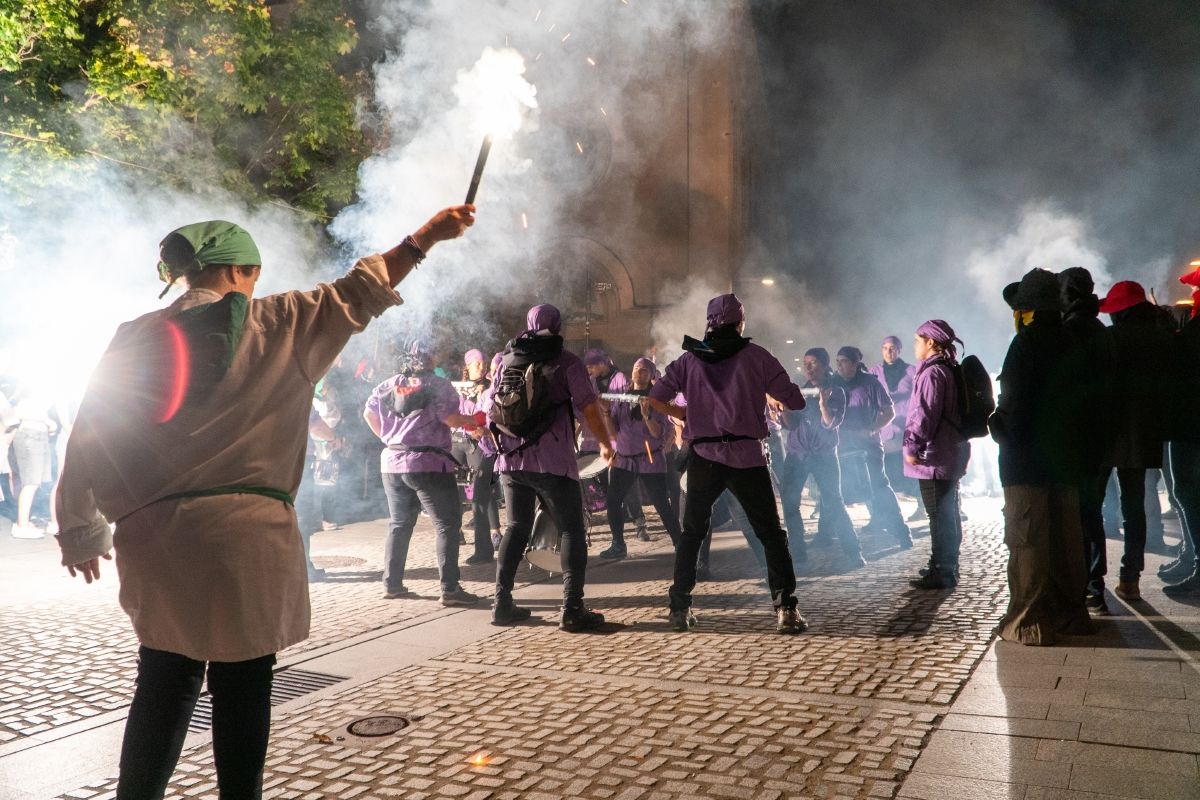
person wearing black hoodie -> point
(1039, 426)
(1143, 344)
(1091, 359)
(1185, 445)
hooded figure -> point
(1184, 448)
(1037, 424)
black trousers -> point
(1092, 487)
(752, 488)
(408, 493)
(563, 500)
(485, 505)
(1185, 474)
(884, 508)
(823, 467)
(654, 485)
(168, 685)
(940, 498)
(1132, 483)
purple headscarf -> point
(894, 341)
(595, 357)
(938, 330)
(472, 356)
(725, 309)
(544, 317)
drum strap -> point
(404, 448)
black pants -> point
(884, 508)
(407, 494)
(752, 488)
(893, 467)
(1185, 474)
(563, 500)
(940, 498)
(167, 687)
(824, 469)
(654, 485)
(485, 507)
(1091, 518)
(1132, 483)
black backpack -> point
(412, 402)
(976, 399)
(524, 399)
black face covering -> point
(718, 345)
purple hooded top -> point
(930, 433)
(633, 435)
(554, 451)
(423, 428)
(892, 434)
(728, 398)
(807, 433)
(865, 398)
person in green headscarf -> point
(191, 439)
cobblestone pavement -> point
(730, 710)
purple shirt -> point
(554, 452)
(892, 434)
(467, 407)
(632, 437)
(615, 383)
(930, 433)
(726, 398)
(423, 428)
(807, 433)
(865, 398)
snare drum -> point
(593, 480)
(544, 543)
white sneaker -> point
(52, 529)
(26, 532)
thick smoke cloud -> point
(928, 153)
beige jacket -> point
(212, 578)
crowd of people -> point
(215, 424)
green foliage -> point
(254, 98)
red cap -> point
(1121, 296)
(1192, 278)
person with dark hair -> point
(412, 413)
(1143, 345)
(811, 449)
(641, 435)
(1092, 360)
(868, 410)
(897, 376)
(191, 438)
(1038, 424)
(935, 451)
(475, 447)
(537, 463)
(725, 379)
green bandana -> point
(213, 242)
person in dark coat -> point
(1037, 425)
(1142, 347)
(1092, 361)
(1185, 448)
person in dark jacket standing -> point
(1092, 360)
(1036, 425)
(1142, 346)
(935, 452)
(1185, 449)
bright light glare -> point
(494, 93)
(768, 281)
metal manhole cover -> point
(377, 726)
(333, 562)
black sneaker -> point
(1188, 586)
(1096, 605)
(477, 558)
(614, 553)
(1176, 570)
(506, 613)
(682, 620)
(904, 537)
(790, 622)
(933, 580)
(855, 561)
(460, 597)
(579, 619)
(396, 594)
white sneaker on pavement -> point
(26, 532)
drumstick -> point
(649, 455)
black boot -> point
(1186, 587)
(579, 618)
(935, 579)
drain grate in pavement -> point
(288, 685)
(377, 726)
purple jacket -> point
(727, 398)
(554, 452)
(865, 398)
(422, 428)
(892, 434)
(632, 437)
(615, 383)
(468, 407)
(930, 433)
(807, 433)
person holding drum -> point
(412, 413)
(538, 385)
(474, 447)
(642, 433)
(724, 379)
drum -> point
(543, 546)
(593, 480)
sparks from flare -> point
(524, 220)
(480, 759)
(590, 61)
(602, 111)
(568, 36)
(579, 147)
